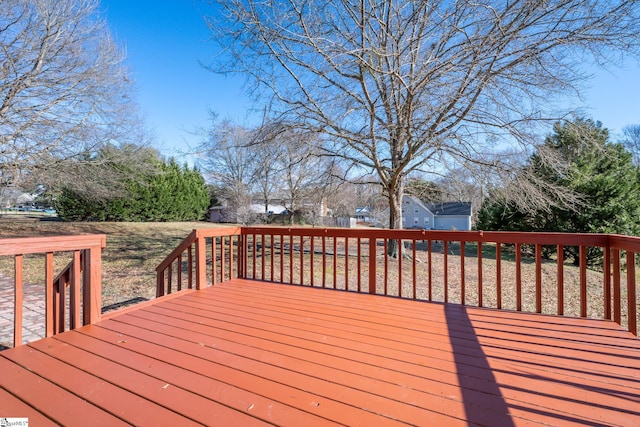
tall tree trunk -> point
(395, 193)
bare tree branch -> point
(400, 86)
(64, 91)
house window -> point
(404, 220)
(415, 210)
(426, 220)
(415, 221)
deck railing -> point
(81, 276)
(503, 270)
(190, 265)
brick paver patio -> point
(33, 312)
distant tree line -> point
(155, 191)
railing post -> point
(92, 297)
(616, 287)
(631, 293)
(201, 262)
(160, 283)
(372, 265)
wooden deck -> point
(252, 353)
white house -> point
(435, 216)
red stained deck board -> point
(252, 353)
(276, 383)
(123, 404)
(50, 399)
(490, 322)
(187, 373)
(377, 394)
(591, 332)
(437, 336)
(12, 407)
(545, 391)
(196, 407)
(444, 378)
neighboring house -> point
(363, 214)
(14, 197)
(436, 216)
(227, 214)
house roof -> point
(450, 208)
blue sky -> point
(167, 40)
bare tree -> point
(632, 141)
(267, 173)
(225, 155)
(64, 90)
(399, 86)
(304, 174)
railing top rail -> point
(568, 239)
(219, 231)
(192, 237)
(178, 250)
(625, 243)
(31, 245)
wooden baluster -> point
(282, 258)
(429, 258)
(253, 254)
(49, 323)
(272, 256)
(606, 269)
(372, 265)
(413, 268)
(18, 301)
(346, 263)
(312, 250)
(290, 258)
(262, 257)
(480, 290)
(74, 293)
(335, 261)
(518, 277)
(617, 315)
(446, 270)
(223, 248)
(462, 275)
(583, 281)
(301, 260)
(359, 265)
(538, 278)
(560, 279)
(400, 245)
(324, 261)
(499, 275)
(386, 266)
(179, 272)
(201, 262)
(190, 266)
(214, 260)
